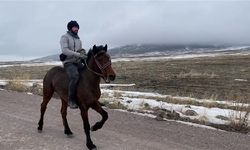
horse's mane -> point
(89, 54)
(93, 51)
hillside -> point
(155, 50)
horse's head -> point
(102, 62)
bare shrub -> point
(203, 120)
(16, 82)
(239, 121)
(104, 95)
(117, 94)
(16, 85)
(115, 105)
(239, 118)
(146, 106)
(36, 89)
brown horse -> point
(97, 66)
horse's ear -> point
(106, 47)
(94, 47)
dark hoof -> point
(39, 129)
(96, 126)
(72, 105)
(68, 133)
(91, 146)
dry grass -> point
(16, 84)
(37, 90)
(239, 118)
(239, 121)
(23, 72)
(202, 78)
(117, 94)
(115, 105)
(199, 77)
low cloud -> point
(33, 29)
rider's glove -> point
(82, 54)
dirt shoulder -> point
(123, 131)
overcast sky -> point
(31, 29)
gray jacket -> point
(69, 45)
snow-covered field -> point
(138, 101)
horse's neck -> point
(90, 77)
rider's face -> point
(75, 29)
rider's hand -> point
(81, 51)
(83, 56)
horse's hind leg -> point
(64, 107)
(97, 107)
(47, 94)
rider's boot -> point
(72, 95)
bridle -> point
(99, 65)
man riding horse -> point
(78, 89)
(71, 46)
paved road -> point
(19, 114)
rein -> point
(92, 70)
(98, 65)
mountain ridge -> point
(155, 50)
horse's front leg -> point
(84, 114)
(98, 108)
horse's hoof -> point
(91, 147)
(39, 129)
(68, 133)
(96, 127)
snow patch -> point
(131, 100)
(181, 56)
(241, 80)
(157, 95)
(116, 85)
(52, 63)
(24, 82)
